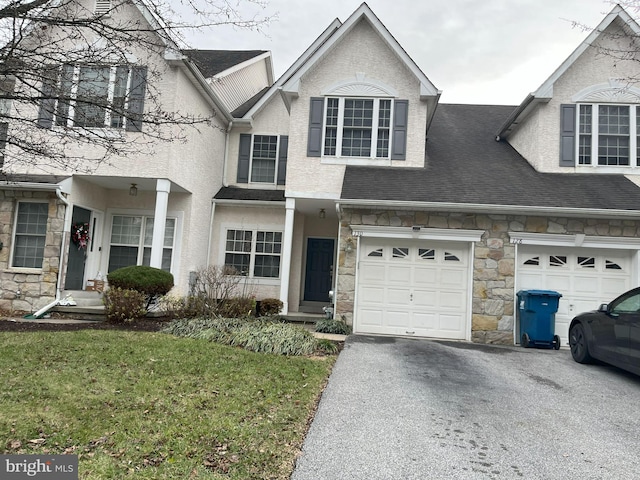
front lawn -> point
(153, 406)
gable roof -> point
(289, 83)
(467, 170)
(544, 93)
(214, 62)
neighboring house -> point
(324, 181)
(153, 207)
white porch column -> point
(163, 187)
(287, 246)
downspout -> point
(65, 228)
(225, 183)
(210, 241)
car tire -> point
(579, 345)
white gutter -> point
(503, 209)
(251, 203)
(29, 186)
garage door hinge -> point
(410, 333)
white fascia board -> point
(427, 89)
(446, 234)
(577, 240)
(547, 87)
(276, 88)
(498, 209)
(51, 187)
(171, 47)
(544, 93)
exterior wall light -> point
(133, 190)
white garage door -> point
(585, 277)
(412, 287)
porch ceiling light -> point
(322, 213)
(133, 190)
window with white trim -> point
(264, 156)
(30, 234)
(254, 253)
(92, 96)
(357, 127)
(608, 135)
(131, 239)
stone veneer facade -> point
(493, 315)
(36, 287)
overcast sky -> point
(475, 51)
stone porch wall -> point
(36, 287)
(493, 316)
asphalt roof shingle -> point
(466, 165)
(212, 62)
(249, 194)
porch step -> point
(302, 317)
(81, 313)
(312, 307)
(84, 298)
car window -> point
(628, 304)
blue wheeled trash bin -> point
(537, 313)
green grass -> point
(154, 406)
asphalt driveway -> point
(421, 409)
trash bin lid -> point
(548, 293)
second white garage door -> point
(585, 277)
(413, 287)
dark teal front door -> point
(77, 255)
(319, 270)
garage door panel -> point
(371, 272)
(397, 318)
(425, 298)
(450, 322)
(583, 283)
(398, 274)
(397, 296)
(451, 300)
(373, 294)
(371, 317)
(425, 321)
(452, 276)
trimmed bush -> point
(147, 280)
(121, 305)
(329, 325)
(270, 306)
(237, 307)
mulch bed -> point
(142, 325)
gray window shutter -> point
(136, 99)
(4, 127)
(244, 158)
(316, 117)
(399, 134)
(48, 102)
(282, 159)
(567, 135)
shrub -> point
(183, 307)
(270, 306)
(329, 325)
(121, 304)
(151, 282)
(325, 345)
(237, 307)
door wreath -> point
(80, 235)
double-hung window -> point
(357, 127)
(608, 135)
(254, 253)
(30, 234)
(262, 159)
(131, 238)
(93, 96)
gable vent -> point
(102, 7)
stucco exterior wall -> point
(361, 51)
(494, 262)
(538, 137)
